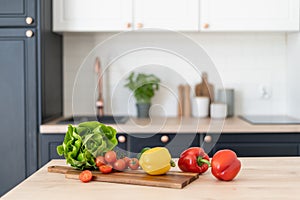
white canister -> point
(218, 110)
(200, 106)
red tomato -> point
(100, 160)
(127, 160)
(105, 169)
(110, 156)
(86, 176)
(134, 164)
(119, 165)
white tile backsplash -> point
(293, 91)
(245, 61)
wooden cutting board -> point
(172, 179)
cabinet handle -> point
(29, 20)
(164, 139)
(207, 139)
(122, 139)
(139, 25)
(206, 26)
(29, 33)
(128, 25)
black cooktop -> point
(270, 119)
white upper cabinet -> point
(118, 15)
(181, 15)
(92, 15)
(249, 15)
(167, 14)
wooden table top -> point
(260, 178)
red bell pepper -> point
(225, 165)
(194, 160)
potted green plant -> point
(143, 87)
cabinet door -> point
(167, 14)
(249, 15)
(47, 149)
(15, 12)
(176, 143)
(254, 144)
(92, 15)
(18, 107)
(257, 149)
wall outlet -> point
(265, 92)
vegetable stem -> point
(172, 163)
(202, 161)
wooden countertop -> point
(184, 125)
(260, 178)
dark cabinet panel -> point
(176, 143)
(22, 60)
(51, 57)
(12, 7)
(48, 144)
(13, 13)
(255, 144)
(18, 103)
(254, 149)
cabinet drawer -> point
(254, 144)
(271, 149)
(176, 143)
(122, 147)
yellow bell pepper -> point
(156, 161)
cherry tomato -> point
(86, 176)
(100, 160)
(110, 156)
(133, 163)
(127, 160)
(119, 165)
(105, 169)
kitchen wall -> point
(251, 63)
(293, 97)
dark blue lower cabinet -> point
(176, 143)
(244, 144)
(18, 108)
(259, 150)
(255, 144)
(48, 144)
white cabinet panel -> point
(182, 15)
(92, 15)
(167, 14)
(249, 15)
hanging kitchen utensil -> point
(99, 102)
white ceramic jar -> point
(218, 110)
(200, 106)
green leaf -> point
(60, 150)
(143, 86)
(84, 143)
